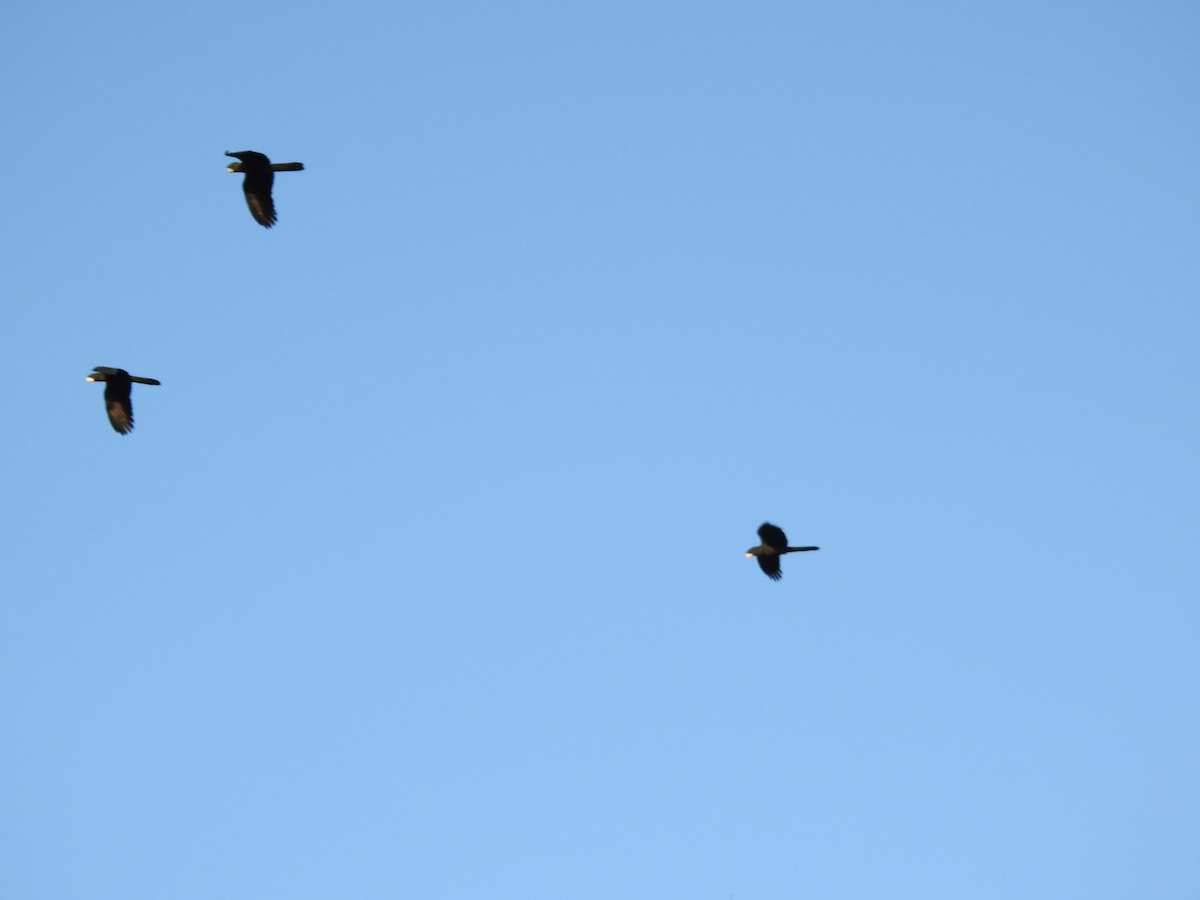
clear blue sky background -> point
(422, 574)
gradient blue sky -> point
(422, 574)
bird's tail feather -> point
(799, 549)
(287, 167)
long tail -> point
(798, 549)
(275, 167)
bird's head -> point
(251, 158)
(101, 373)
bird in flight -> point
(260, 175)
(117, 385)
(774, 544)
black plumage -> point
(117, 386)
(774, 544)
(260, 176)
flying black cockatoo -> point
(117, 386)
(774, 544)
(260, 175)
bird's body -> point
(118, 384)
(260, 176)
(774, 544)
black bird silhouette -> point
(774, 545)
(260, 175)
(117, 385)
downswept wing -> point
(120, 412)
(769, 563)
(257, 187)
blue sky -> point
(422, 573)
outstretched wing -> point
(772, 536)
(769, 563)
